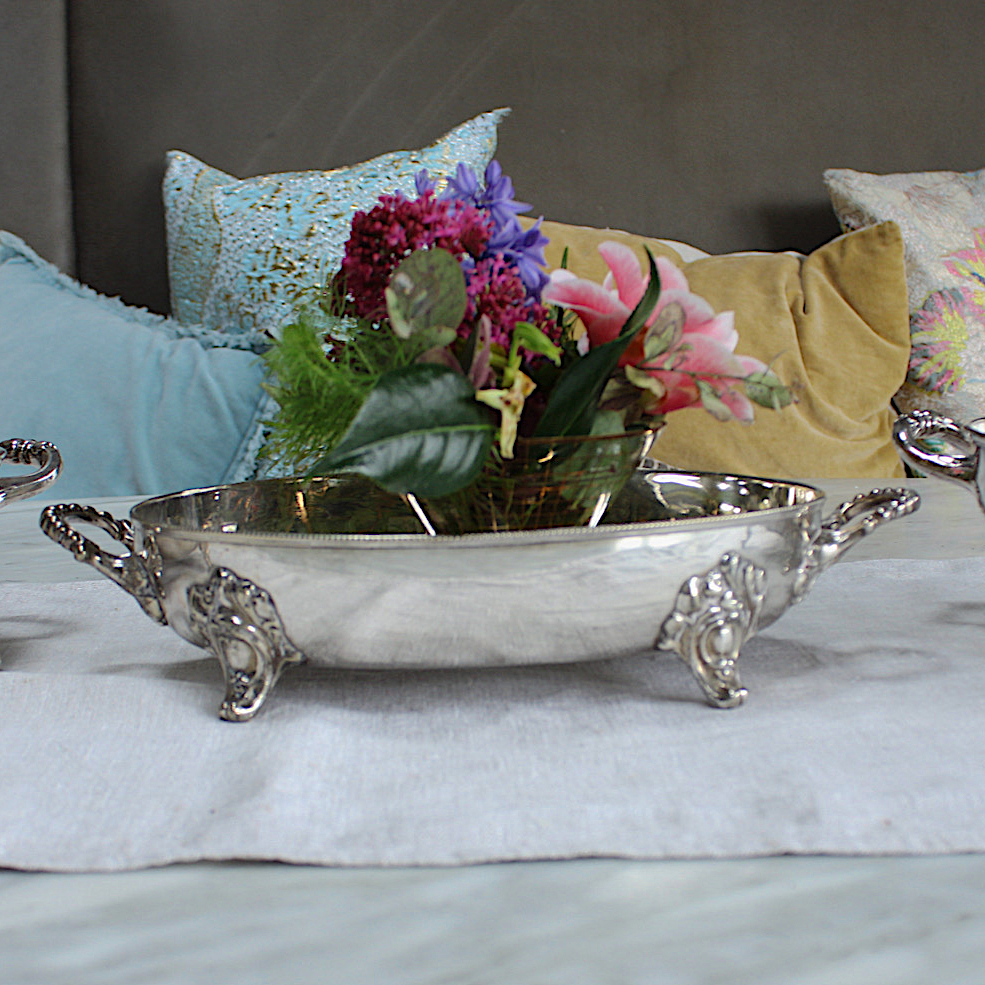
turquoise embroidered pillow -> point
(942, 218)
(240, 251)
(137, 404)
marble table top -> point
(771, 920)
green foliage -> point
(426, 294)
(766, 389)
(534, 340)
(664, 332)
(712, 402)
(319, 385)
(419, 431)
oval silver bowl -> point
(337, 573)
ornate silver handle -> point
(130, 571)
(22, 451)
(849, 523)
(912, 431)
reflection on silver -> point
(357, 584)
(944, 448)
(850, 522)
(135, 572)
(715, 614)
(21, 451)
(239, 621)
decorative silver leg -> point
(240, 623)
(715, 614)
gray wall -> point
(704, 121)
(35, 191)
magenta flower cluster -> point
(503, 263)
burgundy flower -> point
(389, 232)
(496, 289)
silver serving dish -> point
(335, 572)
(22, 451)
(944, 448)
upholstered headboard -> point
(698, 120)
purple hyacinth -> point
(463, 185)
(496, 196)
(524, 248)
(423, 182)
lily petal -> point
(697, 310)
(701, 356)
(680, 391)
(750, 365)
(740, 405)
(574, 292)
(626, 273)
(720, 328)
(672, 278)
(602, 312)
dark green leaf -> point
(419, 431)
(573, 402)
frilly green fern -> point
(321, 371)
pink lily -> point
(701, 342)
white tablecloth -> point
(862, 734)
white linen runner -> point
(862, 733)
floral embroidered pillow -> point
(942, 217)
(241, 251)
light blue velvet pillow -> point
(137, 404)
(241, 251)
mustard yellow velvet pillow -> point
(834, 325)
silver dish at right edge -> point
(944, 448)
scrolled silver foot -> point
(242, 627)
(716, 612)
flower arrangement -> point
(442, 351)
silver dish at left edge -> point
(41, 455)
(24, 451)
(334, 572)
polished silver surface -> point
(134, 572)
(846, 526)
(714, 615)
(944, 448)
(692, 562)
(243, 629)
(23, 451)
